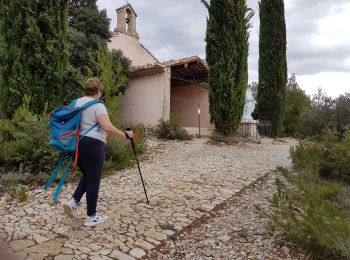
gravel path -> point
(233, 230)
(185, 181)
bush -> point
(312, 209)
(325, 113)
(19, 194)
(335, 159)
(25, 147)
(329, 156)
(306, 155)
(217, 137)
(171, 130)
(306, 216)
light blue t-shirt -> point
(89, 119)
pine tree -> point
(33, 53)
(272, 64)
(227, 54)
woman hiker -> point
(92, 152)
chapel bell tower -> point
(126, 21)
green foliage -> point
(33, 53)
(111, 74)
(325, 114)
(118, 154)
(217, 137)
(19, 194)
(329, 156)
(319, 117)
(9, 179)
(296, 102)
(25, 148)
(227, 54)
(335, 158)
(79, 50)
(171, 130)
(312, 208)
(73, 79)
(305, 215)
(118, 57)
(272, 64)
(342, 112)
(306, 155)
(89, 27)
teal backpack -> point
(65, 137)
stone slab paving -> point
(184, 180)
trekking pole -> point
(137, 161)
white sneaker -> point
(95, 220)
(70, 208)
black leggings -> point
(90, 162)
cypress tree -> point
(33, 53)
(272, 64)
(226, 55)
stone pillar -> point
(132, 25)
(121, 25)
(167, 93)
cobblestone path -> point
(184, 180)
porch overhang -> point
(188, 71)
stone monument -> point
(248, 127)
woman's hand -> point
(130, 134)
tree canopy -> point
(33, 53)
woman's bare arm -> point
(106, 125)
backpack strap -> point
(55, 172)
(74, 103)
(87, 131)
(63, 178)
(87, 104)
(79, 138)
(90, 103)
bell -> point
(127, 20)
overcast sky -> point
(318, 37)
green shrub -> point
(118, 154)
(25, 147)
(335, 159)
(305, 215)
(217, 137)
(329, 156)
(306, 155)
(343, 200)
(18, 193)
(171, 130)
